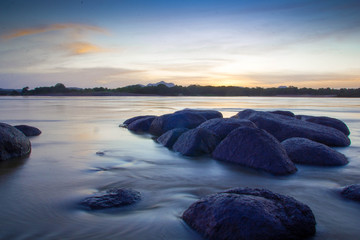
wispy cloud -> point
(79, 48)
(54, 27)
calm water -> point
(39, 195)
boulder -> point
(13, 143)
(327, 121)
(196, 142)
(285, 113)
(184, 119)
(130, 120)
(305, 151)
(250, 214)
(255, 148)
(169, 138)
(284, 127)
(208, 114)
(223, 126)
(28, 131)
(112, 198)
(351, 192)
(141, 125)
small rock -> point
(100, 153)
(130, 120)
(169, 138)
(208, 114)
(196, 142)
(28, 131)
(285, 113)
(141, 125)
(112, 198)
(250, 214)
(13, 143)
(352, 192)
(305, 151)
(327, 121)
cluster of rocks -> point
(270, 141)
(14, 141)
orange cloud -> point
(53, 27)
(78, 48)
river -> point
(40, 195)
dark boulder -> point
(208, 114)
(112, 198)
(255, 148)
(130, 120)
(223, 126)
(13, 143)
(250, 214)
(327, 121)
(284, 127)
(305, 151)
(196, 142)
(184, 119)
(141, 125)
(169, 138)
(351, 192)
(285, 113)
(28, 131)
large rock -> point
(184, 119)
(327, 121)
(13, 143)
(250, 214)
(208, 114)
(305, 151)
(169, 138)
(352, 192)
(112, 198)
(130, 120)
(223, 126)
(141, 125)
(28, 131)
(255, 148)
(285, 113)
(196, 142)
(284, 127)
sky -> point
(115, 43)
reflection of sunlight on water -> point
(64, 167)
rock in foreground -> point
(250, 214)
(112, 198)
(352, 192)
(253, 147)
(169, 138)
(141, 125)
(28, 131)
(13, 143)
(305, 151)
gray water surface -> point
(39, 195)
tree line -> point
(192, 90)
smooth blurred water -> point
(39, 195)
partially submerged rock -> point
(250, 214)
(184, 119)
(253, 147)
(285, 113)
(208, 114)
(327, 121)
(196, 142)
(351, 192)
(13, 143)
(130, 120)
(169, 138)
(141, 125)
(28, 131)
(223, 126)
(284, 127)
(112, 198)
(305, 151)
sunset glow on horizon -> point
(112, 44)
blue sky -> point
(118, 43)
